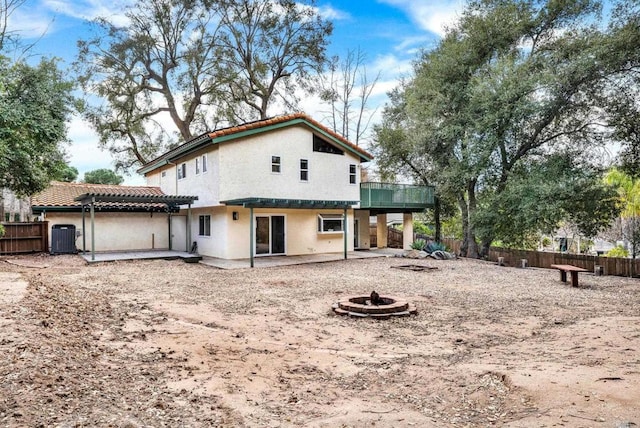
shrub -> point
(419, 244)
(1, 231)
(618, 251)
(435, 246)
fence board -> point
(31, 237)
(543, 259)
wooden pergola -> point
(171, 203)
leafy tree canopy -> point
(508, 115)
(102, 176)
(35, 102)
(182, 67)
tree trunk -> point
(472, 244)
(436, 215)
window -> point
(352, 174)
(275, 164)
(319, 145)
(164, 173)
(328, 223)
(304, 170)
(205, 225)
(204, 163)
(197, 166)
(182, 171)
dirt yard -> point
(169, 344)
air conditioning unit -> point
(63, 239)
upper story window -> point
(164, 173)
(275, 164)
(182, 171)
(352, 174)
(320, 145)
(205, 167)
(304, 170)
(197, 166)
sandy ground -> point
(168, 344)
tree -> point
(102, 176)
(181, 67)
(346, 88)
(628, 189)
(512, 89)
(67, 174)
(35, 103)
(7, 8)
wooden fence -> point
(543, 259)
(25, 238)
(394, 237)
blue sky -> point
(389, 32)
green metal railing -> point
(401, 196)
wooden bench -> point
(569, 268)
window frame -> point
(304, 170)
(204, 225)
(197, 166)
(205, 167)
(276, 161)
(182, 170)
(353, 177)
(323, 218)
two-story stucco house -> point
(280, 186)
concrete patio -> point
(259, 262)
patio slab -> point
(274, 261)
(137, 255)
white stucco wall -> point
(117, 231)
(230, 238)
(205, 185)
(245, 168)
(363, 235)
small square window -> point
(164, 173)
(205, 225)
(352, 174)
(304, 170)
(275, 164)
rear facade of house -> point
(281, 186)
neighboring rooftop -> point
(251, 128)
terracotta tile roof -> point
(256, 125)
(62, 195)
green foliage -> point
(435, 246)
(546, 241)
(102, 176)
(618, 251)
(205, 63)
(419, 244)
(35, 103)
(67, 174)
(2, 231)
(482, 116)
(423, 229)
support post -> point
(84, 232)
(381, 230)
(251, 236)
(407, 230)
(189, 228)
(93, 229)
(346, 229)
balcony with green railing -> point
(396, 197)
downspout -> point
(170, 213)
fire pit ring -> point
(374, 306)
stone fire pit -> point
(374, 306)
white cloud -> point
(332, 14)
(29, 23)
(89, 9)
(433, 16)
